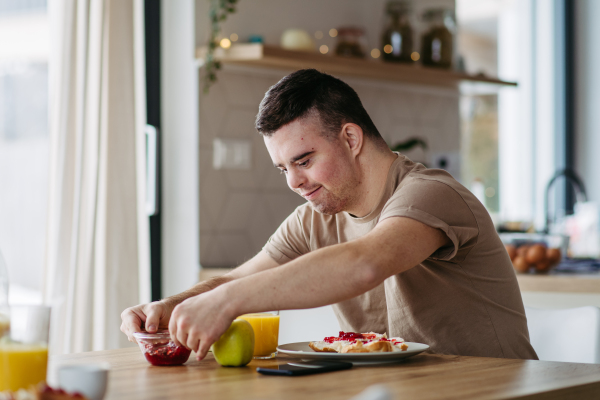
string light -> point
(388, 48)
(333, 32)
(415, 56)
(323, 49)
(375, 53)
(234, 37)
(225, 43)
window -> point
(477, 44)
(479, 148)
(511, 137)
(24, 143)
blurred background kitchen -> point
(129, 171)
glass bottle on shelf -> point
(397, 38)
(350, 42)
(4, 316)
(437, 41)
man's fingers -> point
(153, 319)
(130, 329)
(173, 331)
(193, 341)
(125, 330)
(131, 323)
(182, 338)
(203, 349)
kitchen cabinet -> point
(560, 291)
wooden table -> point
(424, 376)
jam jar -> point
(159, 350)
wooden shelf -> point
(259, 55)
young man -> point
(394, 246)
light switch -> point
(232, 154)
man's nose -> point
(295, 179)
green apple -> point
(236, 346)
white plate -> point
(302, 350)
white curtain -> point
(97, 258)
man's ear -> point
(353, 138)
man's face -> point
(320, 169)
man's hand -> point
(158, 314)
(200, 321)
(153, 315)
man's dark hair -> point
(309, 91)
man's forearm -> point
(259, 262)
(326, 276)
(335, 273)
(199, 288)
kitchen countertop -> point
(560, 283)
(425, 376)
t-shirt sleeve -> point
(440, 206)
(289, 240)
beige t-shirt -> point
(464, 299)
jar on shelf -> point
(397, 38)
(351, 42)
(437, 41)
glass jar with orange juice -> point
(266, 333)
(24, 350)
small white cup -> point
(88, 379)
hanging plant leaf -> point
(409, 144)
(218, 12)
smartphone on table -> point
(305, 368)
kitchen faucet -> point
(574, 180)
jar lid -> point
(351, 31)
(161, 334)
(398, 6)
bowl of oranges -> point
(534, 252)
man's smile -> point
(311, 195)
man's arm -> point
(328, 275)
(260, 262)
(158, 313)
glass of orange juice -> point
(24, 350)
(266, 333)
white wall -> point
(307, 325)
(179, 86)
(587, 92)
(515, 122)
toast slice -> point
(350, 342)
(335, 347)
(372, 347)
